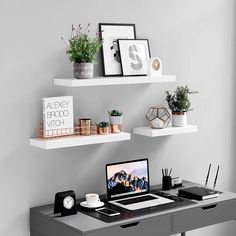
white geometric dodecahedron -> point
(158, 117)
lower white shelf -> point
(147, 131)
(78, 140)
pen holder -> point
(166, 182)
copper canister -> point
(85, 126)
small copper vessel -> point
(116, 128)
(103, 130)
(85, 126)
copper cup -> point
(85, 126)
(103, 130)
(116, 128)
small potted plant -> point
(103, 127)
(82, 50)
(115, 118)
(179, 104)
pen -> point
(170, 171)
(162, 172)
(209, 169)
(216, 177)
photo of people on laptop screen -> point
(127, 178)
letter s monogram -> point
(134, 55)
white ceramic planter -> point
(115, 120)
(83, 70)
(179, 119)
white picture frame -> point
(155, 67)
(58, 116)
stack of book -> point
(198, 193)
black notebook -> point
(198, 193)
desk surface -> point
(85, 224)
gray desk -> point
(178, 220)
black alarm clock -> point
(65, 203)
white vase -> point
(115, 120)
(179, 119)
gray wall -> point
(195, 40)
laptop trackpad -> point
(146, 201)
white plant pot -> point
(179, 119)
(115, 120)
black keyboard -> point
(136, 200)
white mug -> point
(92, 199)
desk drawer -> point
(203, 216)
(151, 227)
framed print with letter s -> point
(135, 55)
(110, 52)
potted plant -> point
(82, 50)
(115, 118)
(103, 127)
(179, 104)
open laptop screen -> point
(127, 178)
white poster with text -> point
(58, 118)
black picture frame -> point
(128, 67)
(111, 63)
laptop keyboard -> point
(137, 200)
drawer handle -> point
(209, 207)
(129, 225)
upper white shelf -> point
(78, 140)
(100, 81)
(147, 131)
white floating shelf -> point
(146, 131)
(99, 81)
(78, 140)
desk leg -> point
(183, 234)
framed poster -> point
(110, 51)
(135, 55)
(58, 119)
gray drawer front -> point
(151, 227)
(45, 226)
(204, 216)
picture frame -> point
(135, 55)
(110, 33)
(155, 67)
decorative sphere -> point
(158, 117)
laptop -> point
(128, 185)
